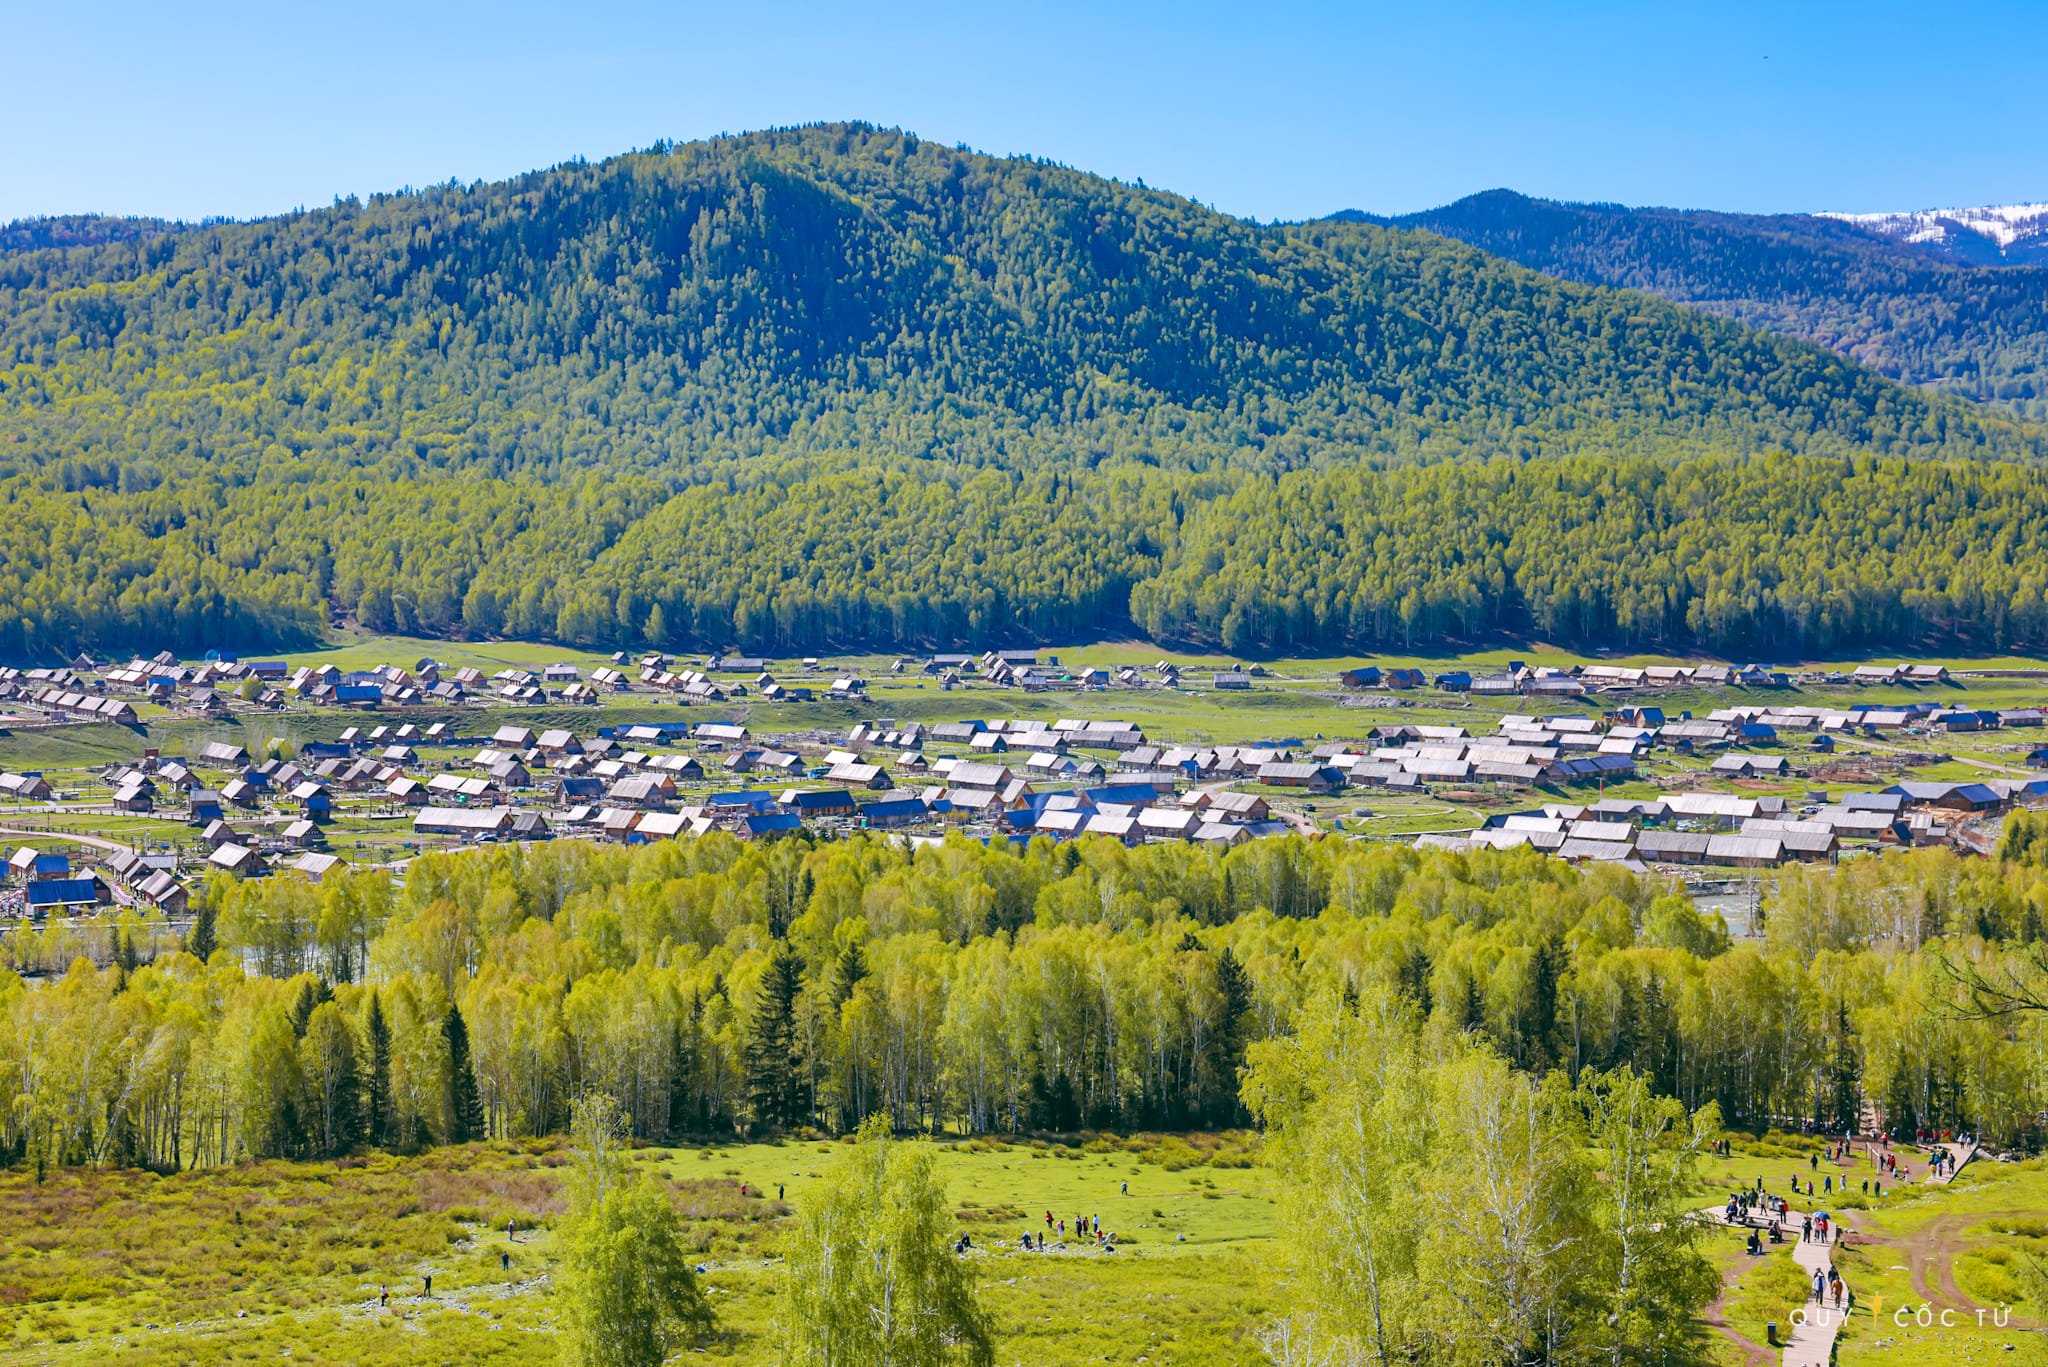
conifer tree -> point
(377, 1086)
(847, 971)
(774, 1065)
(199, 941)
(1539, 1018)
(466, 1108)
(1226, 1044)
(1845, 1094)
(679, 1078)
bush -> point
(1772, 1290)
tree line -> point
(1763, 556)
(713, 988)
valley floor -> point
(274, 1260)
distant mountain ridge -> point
(1902, 293)
(1996, 235)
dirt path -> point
(1715, 1317)
(110, 846)
(1935, 1246)
(1959, 759)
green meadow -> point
(269, 1260)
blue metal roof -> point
(63, 892)
(765, 822)
(894, 807)
(1126, 793)
(823, 798)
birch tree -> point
(627, 1292)
(1344, 1102)
(873, 1277)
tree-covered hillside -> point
(827, 386)
(1923, 316)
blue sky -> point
(1271, 110)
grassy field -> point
(352, 649)
(270, 1260)
(287, 1260)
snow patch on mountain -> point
(2003, 224)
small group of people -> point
(1746, 1207)
(1743, 1204)
(1819, 1229)
(1826, 1282)
(1085, 1227)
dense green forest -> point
(716, 987)
(835, 386)
(1765, 556)
(1916, 314)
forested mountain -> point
(81, 230)
(1916, 312)
(826, 386)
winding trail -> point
(110, 846)
(1811, 1344)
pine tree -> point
(466, 1109)
(1539, 1021)
(377, 1086)
(302, 1009)
(1845, 1093)
(199, 942)
(1659, 1054)
(774, 1068)
(680, 1074)
(1412, 978)
(847, 971)
(1063, 1108)
(1627, 1028)
(1472, 1013)
(1227, 1042)
(1038, 1106)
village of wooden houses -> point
(132, 785)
